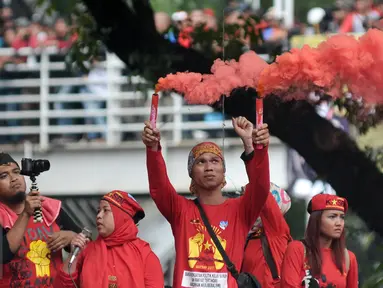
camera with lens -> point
(33, 168)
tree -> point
(129, 32)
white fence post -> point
(44, 104)
(177, 118)
(113, 135)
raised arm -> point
(16, 234)
(161, 190)
(257, 168)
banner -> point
(313, 40)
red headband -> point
(126, 203)
(327, 202)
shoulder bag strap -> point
(230, 266)
(269, 257)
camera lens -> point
(41, 166)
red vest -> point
(34, 265)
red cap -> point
(126, 203)
(322, 202)
(209, 11)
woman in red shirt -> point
(321, 259)
(268, 240)
(118, 258)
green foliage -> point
(171, 6)
(376, 279)
(295, 218)
(361, 116)
(376, 155)
(88, 44)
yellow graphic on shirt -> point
(203, 254)
(38, 254)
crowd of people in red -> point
(21, 32)
(220, 241)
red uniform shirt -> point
(277, 233)
(293, 269)
(34, 265)
(198, 262)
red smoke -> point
(226, 76)
(341, 60)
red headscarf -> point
(197, 151)
(122, 246)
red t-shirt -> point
(34, 265)
(277, 233)
(293, 269)
(198, 262)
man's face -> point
(12, 184)
(197, 17)
(61, 28)
(208, 171)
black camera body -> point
(33, 168)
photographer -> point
(31, 251)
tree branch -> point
(334, 156)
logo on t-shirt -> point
(203, 254)
(39, 254)
(223, 224)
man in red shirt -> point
(31, 252)
(198, 262)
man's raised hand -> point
(261, 135)
(151, 137)
(244, 129)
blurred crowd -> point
(179, 27)
(344, 16)
(20, 32)
(351, 16)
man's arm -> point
(66, 223)
(16, 234)
(257, 191)
(161, 190)
(5, 252)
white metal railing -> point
(115, 112)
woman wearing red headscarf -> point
(321, 259)
(118, 258)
